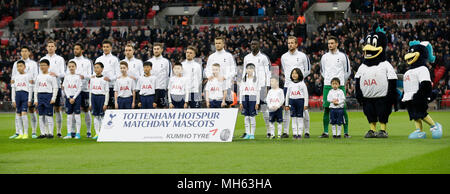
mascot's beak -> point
(371, 52)
(412, 57)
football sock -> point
(33, 121)
(429, 120)
(280, 128)
(247, 125)
(272, 128)
(69, 123)
(339, 127)
(326, 120)
(286, 120)
(19, 125)
(50, 124)
(299, 125)
(78, 123)
(294, 126)
(383, 126)
(88, 120)
(25, 124)
(373, 126)
(265, 113)
(306, 120)
(252, 125)
(333, 129)
(42, 125)
(418, 124)
(58, 118)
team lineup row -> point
(156, 83)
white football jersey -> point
(250, 88)
(45, 83)
(161, 69)
(215, 89)
(335, 65)
(22, 82)
(124, 87)
(374, 79)
(297, 91)
(275, 98)
(146, 85)
(337, 94)
(412, 79)
(72, 85)
(84, 68)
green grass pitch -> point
(397, 154)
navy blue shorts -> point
(75, 107)
(377, 109)
(195, 100)
(416, 110)
(178, 101)
(125, 103)
(59, 101)
(337, 116)
(84, 97)
(21, 101)
(276, 116)
(147, 101)
(297, 106)
(44, 106)
(249, 103)
(161, 98)
(97, 104)
(215, 104)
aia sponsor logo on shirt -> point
(96, 87)
(295, 93)
(21, 84)
(370, 82)
(274, 100)
(42, 84)
(214, 89)
(177, 87)
(73, 86)
(249, 89)
(123, 88)
(148, 86)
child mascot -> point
(417, 89)
(376, 83)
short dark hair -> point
(177, 64)
(335, 79)
(124, 63)
(332, 38)
(72, 62)
(250, 65)
(99, 63)
(79, 44)
(25, 47)
(46, 61)
(192, 48)
(300, 74)
(21, 61)
(106, 41)
(148, 63)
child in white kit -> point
(275, 100)
(336, 97)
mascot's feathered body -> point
(417, 89)
(376, 83)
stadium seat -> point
(447, 92)
(4, 42)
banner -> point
(168, 125)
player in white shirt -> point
(249, 100)
(161, 69)
(72, 89)
(99, 96)
(45, 93)
(275, 101)
(290, 60)
(84, 70)
(297, 101)
(135, 66)
(194, 73)
(215, 89)
(32, 68)
(333, 64)
(124, 92)
(21, 99)
(262, 67)
(336, 98)
(146, 86)
(417, 89)
(57, 69)
(111, 69)
(178, 88)
(227, 65)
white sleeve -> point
(390, 71)
(258, 93)
(169, 90)
(305, 94)
(342, 98)
(88, 71)
(13, 93)
(330, 96)
(358, 73)
(62, 69)
(55, 88)
(347, 68)
(35, 92)
(306, 66)
(241, 93)
(78, 88)
(424, 75)
(14, 70)
(116, 70)
(232, 67)
(286, 102)
(186, 89)
(208, 70)
(267, 70)
(106, 95)
(116, 86)
(322, 66)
